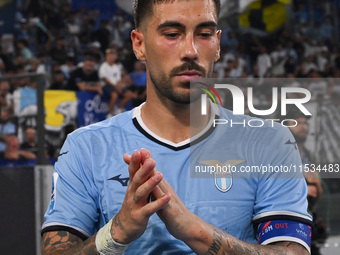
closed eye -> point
(171, 35)
(205, 35)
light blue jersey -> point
(91, 179)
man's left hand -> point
(178, 219)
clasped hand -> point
(148, 193)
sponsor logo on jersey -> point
(292, 143)
(123, 181)
(61, 154)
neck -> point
(173, 121)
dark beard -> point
(166, 89)
(167, 92)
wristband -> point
(105, 243)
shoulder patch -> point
(54, 192)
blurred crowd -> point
(77, 49)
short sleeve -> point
(282, 193)
(72, 206)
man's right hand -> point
(132, 219)
(130, 222)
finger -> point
(127, 158)
(143, 173)
(157, 193)
(142, 193)
(163, 185)
(145, 154)
(154, 206)
(134, 163)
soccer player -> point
(108, 197)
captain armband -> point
(285, 230)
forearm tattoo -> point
(64, 243)
(225, 244)
(216, 245)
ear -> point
(138, 44)
(217, 56)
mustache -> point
(188, 66)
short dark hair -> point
(144, 7)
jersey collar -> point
(140, 125)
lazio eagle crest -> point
(223, 179)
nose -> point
(190, 52)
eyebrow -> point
(180, 25)
(170, 24)
(207, 24)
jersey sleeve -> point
(282, 191)
(73, 206)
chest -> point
(220, 200)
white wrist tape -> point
(105, 243)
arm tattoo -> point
(225, 244)
(216, 245)
(287, 244)
(117, 222)
(65, 243)
(60, 239)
